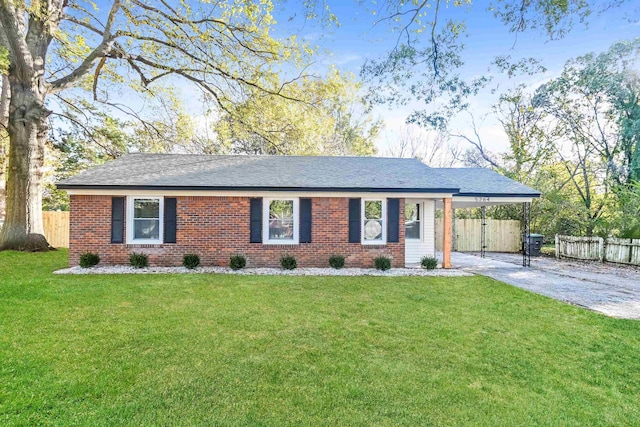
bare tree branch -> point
(99, 52)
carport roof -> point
(480, 182)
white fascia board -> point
(473, 202)
(268, 194)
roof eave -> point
(62, 186)
(535, 194)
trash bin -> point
(535, 243)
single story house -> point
(169, 205)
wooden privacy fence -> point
(622, 251)
(501, 235)
(56, 228)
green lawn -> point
(229, 350)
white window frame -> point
(421, 212)
(130, 220)
(296, 221)
(384, 219)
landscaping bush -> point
(237, 262)
(429, 262)
(336, 261)
(288, 262)
(89, 260)
(138, 260)
(382, 263)
(191, 261)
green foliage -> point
(429, 262)
(89, 259)
(288, 262)
(237, 262)
(191, 261)
(331, 122)
(4, 60)
(336, 261)
(382, 263)
(138, 260)
(73, 148)
(626, 222)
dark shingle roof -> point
(485, 182)
(184, 171)
(205, 172)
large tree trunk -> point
(23, 229)
(4, 142)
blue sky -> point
(357, 40)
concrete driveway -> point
(609, 289)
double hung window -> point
(144, 223)
(281, 221)
(373, 221)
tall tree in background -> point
(334, 122)
(593, 106)
(225, 48)
(575, 138)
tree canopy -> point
(426, 64)
(73, 51)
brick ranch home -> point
(169, 205)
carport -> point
(480, 188)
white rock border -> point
(394, 272)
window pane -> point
(412, 221)
(412, 211)
(146, 229)
(146, 208)
(281, 229)
(373, 229)
(281, 209)
(412, 229)
(373, 209)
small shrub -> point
(429, 262)
(138, 260)
(336, 261)
(191, 261)
(237, 262)
(89, 260)
(382, 263)
(288, 262)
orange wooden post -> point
(446, 240)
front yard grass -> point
(242, 350)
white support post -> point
(557, 247)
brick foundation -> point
(217, 227)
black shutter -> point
(354, 220)
(170, 215)
(117, 219)
(255, 235)
(393, 220)
(305, 220)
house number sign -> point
(483, 199)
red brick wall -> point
(217, 227)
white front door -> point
(419, 229)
